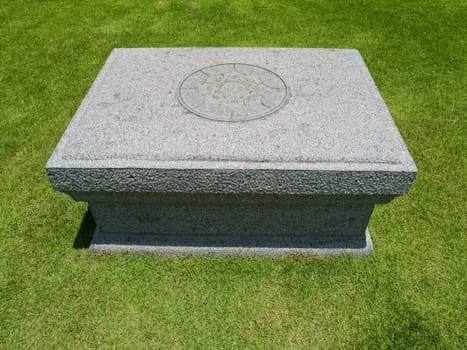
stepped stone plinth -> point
(263, 151)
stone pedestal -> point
(232, 151)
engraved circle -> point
(232, 92)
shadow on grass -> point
(86, 230)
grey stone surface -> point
(228, 245)
(285, 150)
(183, 223)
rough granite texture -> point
(211, 134)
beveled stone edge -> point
(100, 244)
(56, 162)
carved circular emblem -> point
(232, 92)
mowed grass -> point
(410, 294)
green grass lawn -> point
(410, 294)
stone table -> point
(264, 151)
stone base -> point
(268, 151)
(180, 224)
(259, 245)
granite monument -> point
(263, 151)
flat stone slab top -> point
(231, 121)
(306, 121)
